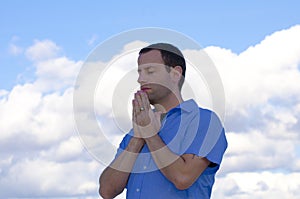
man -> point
(174, 150)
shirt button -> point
(145, 167)
(137, 190)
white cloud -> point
(66, 150)
(256, 151)
(42, 118)
(15, 50)
(258, 185)
(134, 46)
(35, 178)
(42, 50)
(38, 141)
(3, 93)
(56, 74)
(262, 72)
(92, 40)
(21, 100)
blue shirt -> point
(186, 129)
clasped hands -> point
(146, 123)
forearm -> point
(170, 164)
(114, 178)
(183, 170)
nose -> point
(141, 79)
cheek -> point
(162, 87)
(164, 78)
(161, 83)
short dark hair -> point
(171, 56)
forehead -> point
(150, 57)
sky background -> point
(255, 46)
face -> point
(154, 78)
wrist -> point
(135, 145)
(151, 138)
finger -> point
(134, 119)
(158, 115)
(135, 109)
(144, 100)
(139, 100)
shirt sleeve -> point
(123, 144)
(210, 140)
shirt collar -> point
(187, 106)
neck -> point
(168, 103)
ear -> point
(176, 73)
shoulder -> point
(209, 116)
(192, 106)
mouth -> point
(145, 88)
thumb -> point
(158, 115)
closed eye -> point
(148, 69)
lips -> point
(145, 88)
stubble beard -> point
(157, 96)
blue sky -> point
(234, 25)
(255, 46)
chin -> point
(152, 101)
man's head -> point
(161, 71)
(171, 56)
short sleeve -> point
(123, 144)
(210, 140)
